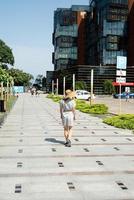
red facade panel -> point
(81, 21)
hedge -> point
(125, 121)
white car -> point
(83, 94)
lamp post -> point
(64, 85)
(12, 87)
(120, 99)
(73, 82)
(57, 86)
(1, 90)
(91, 92)
(7, 90)
(52, 86)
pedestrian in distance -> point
(17, 95)
(67, 111)
(127, 96)
(32, 92)
(36, 93)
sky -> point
(26, 26)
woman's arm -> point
(61, 109)
(73, 110)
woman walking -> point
(67, 111)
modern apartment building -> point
(49, 78)
(131, 33)
(69, 37)
(107, 31)
(91, 37)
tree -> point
(20, 78)
(38, 81)
(44, 82)
(108, 87)
(4, 66)
(80, 85)
(4, 76)
(6, 55)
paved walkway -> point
(35, 165)
(114, 105)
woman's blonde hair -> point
(69, 94)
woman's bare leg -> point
(70, 133)
(66, 133)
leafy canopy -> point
(20, 78)
(4, 76)
(80, 85)
(6, 55)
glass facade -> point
(65, 36)
(66, 53)
(131, 33)
(107, 29)
(66, 41)
(67, 31)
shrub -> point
(50, 96)
(108, 87)
(80, 85)
(55, 98)
(125, 121)
(83, 106)
(93, 109)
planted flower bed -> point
(83, 106)
(125, 121)
(93, 109)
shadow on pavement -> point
(53, 140)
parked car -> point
(123, 95)
(131, 95)
(83, 94)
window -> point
(111, 46)
(112, 38)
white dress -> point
(67, 114)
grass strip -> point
(11, 101)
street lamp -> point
(64, 85)
(91, 92)
(73, 82)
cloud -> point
(34, 60)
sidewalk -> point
(35, 165)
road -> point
(114, 105)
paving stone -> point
(35, 164)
